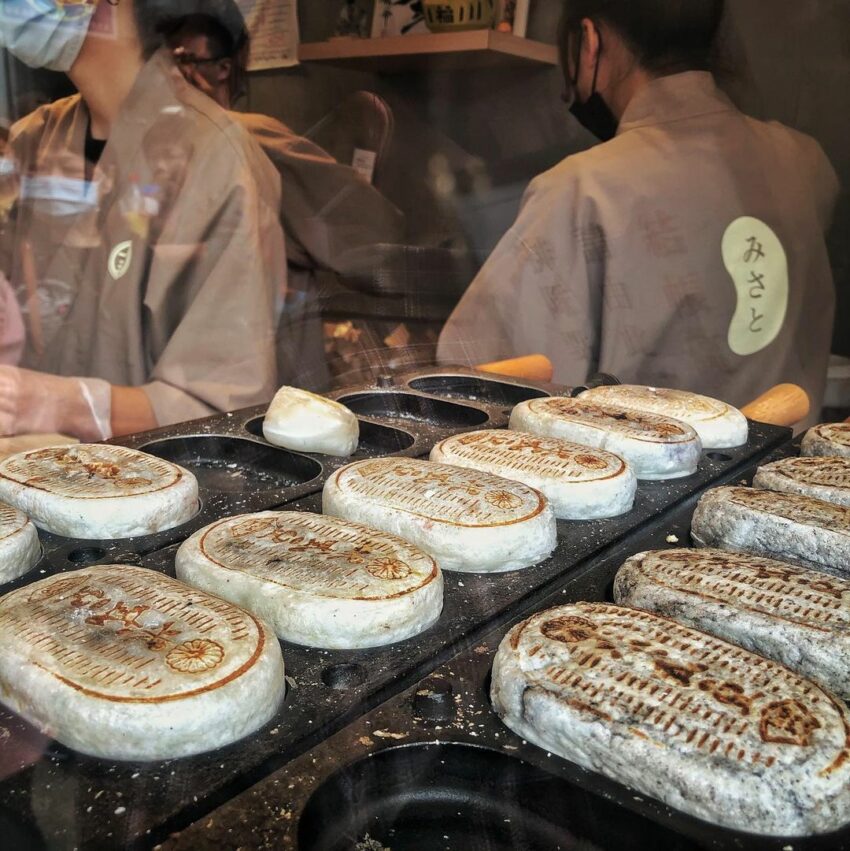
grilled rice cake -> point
(122, 662)
(789, 527)
(826, 478)
(702, 725)
(656, 447)
(827, 439)
(98, 491)
(317, 580)
(792, 615)
(20, 549)
(467, 520)
(719, 426)
(581, 483)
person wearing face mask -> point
(687, 250)
(332, 217)
(147, 265)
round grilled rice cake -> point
(792, 615)
(580, 482)
(98, 491)
(704, 726)
(467, 520)
(316, 580)
(656, 447)
(719, 426)
(122, 662)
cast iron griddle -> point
(433, 768)
(53, 797)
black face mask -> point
(594, 113)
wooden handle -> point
(782, 405)
(532, 367)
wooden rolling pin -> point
(782, 405)
(532, 367)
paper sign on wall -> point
(273, 25)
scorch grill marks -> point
(318, 554)
(637, 425)
(834, 433)
(130, 635)
(11, 521)
(825, 471)
(669, 684)
(678, 404)
(544, 456)
(84, 472)
(798, 596)
(452, 495)
(797, 509)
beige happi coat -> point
(166, 278)
(686, 252)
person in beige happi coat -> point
(146, 246)
(686, 251)
(332, 217)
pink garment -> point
(12, 333)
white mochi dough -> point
(298, 419)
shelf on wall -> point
(431, 51)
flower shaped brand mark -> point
(388, 568)
(195, 656)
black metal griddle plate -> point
(433, 768)
(64, 798)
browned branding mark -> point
(669, 684)
(641, 425)
(439, 492)
(91, 472)
(321, 555)
(787, 722)
(544, 456)
(800, 509)
(825, 471)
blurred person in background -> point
(331, 215)
(685, 251)
(145, 245)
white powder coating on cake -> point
(98, 491)
(795, 616)
(826, 478)
(467, 520)
(581, 483)
(789, 527)
(316, 580)
(827, 439)
(20, 548)
(122, 662)
(298, 419)
(656, 447)
(719, 426)
(704, 726)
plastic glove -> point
(39, 403)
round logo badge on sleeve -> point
(120, 259)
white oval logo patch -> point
(120, 259)
(758, 266)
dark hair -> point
(665, 36)
(155, 19)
